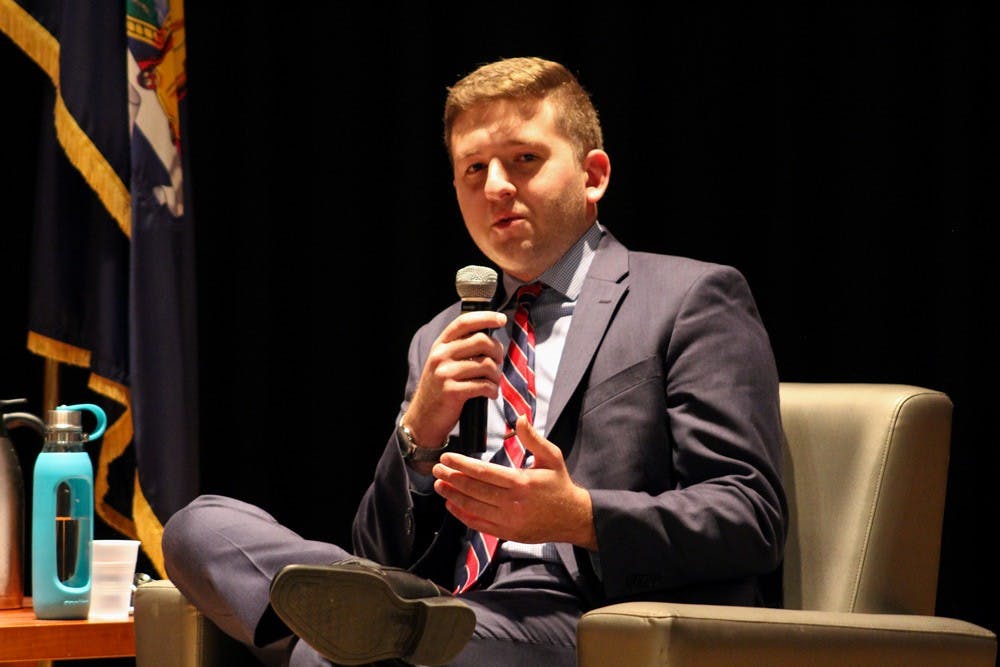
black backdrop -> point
(843, 159)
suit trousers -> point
(223, 553)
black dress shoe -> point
(356, 611)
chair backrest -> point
(866, 470)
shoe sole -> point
(353, 617)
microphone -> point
(476, 286)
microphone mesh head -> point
(476, 282)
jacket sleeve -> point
(395, 524)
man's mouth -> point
(506, 220)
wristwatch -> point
(411, 451)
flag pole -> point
(50, 386)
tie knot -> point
(526, 294)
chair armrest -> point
(679, 635)
(170, 631)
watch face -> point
(405, 446)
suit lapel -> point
(605, 285)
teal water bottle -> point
(62, 515)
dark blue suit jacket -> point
(666, 408)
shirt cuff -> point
(420, 484)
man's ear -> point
(597, 165)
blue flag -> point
(113, 275)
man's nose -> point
(498, 186)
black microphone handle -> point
(472, 427)
(472, 421)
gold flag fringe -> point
(148, 527)
(96, 170)
(42, 47)
(50, 348)
(32, 37)
(116, 439)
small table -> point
(26, 640)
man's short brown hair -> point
(528, 81)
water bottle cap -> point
(76, 421)
(64, 420)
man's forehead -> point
(501, 119)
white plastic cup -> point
(112, 573)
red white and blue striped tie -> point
(517, 386)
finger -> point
(454, 467)
(481, 524)
(457, 486)
(476, 513)
(527, 433)
(482, 369)
(473, 521)
(468, 502)
(472, 512)
(478, 346)
(544, 453)
(472, 321)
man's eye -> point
(527, 157)
(474, 168)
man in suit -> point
(648, 422)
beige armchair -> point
(866, 471)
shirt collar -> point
(566, 276)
